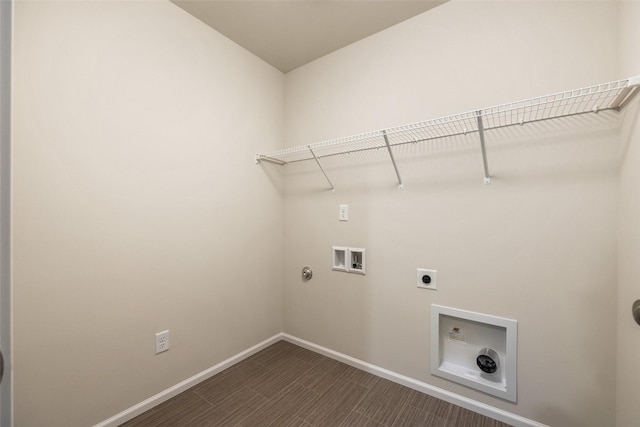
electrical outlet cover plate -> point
(433, 285)
(162, 341)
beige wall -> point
(628, 378)
(537, 245)
(137, 206)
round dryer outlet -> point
(488, 360)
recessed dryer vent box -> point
(476, 350)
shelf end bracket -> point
(393, 160)
(262, 158)
(626, 94)
(487, 177)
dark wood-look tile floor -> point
(286, 385)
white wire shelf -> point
(593, 99)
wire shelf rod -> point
(397, 144)
(460, 132)
(430, 138)
(582, 113)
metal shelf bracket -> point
(393, 160)
(487, 177)
(321, 168)
(260, 157)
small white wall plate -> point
(426, 279)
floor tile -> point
(363, 378)
(323, 374)
(383, 402)
(178, 411)
(219, 387)
(283, 409)
(411, 416)
(273, 381)
(334, 405)
(461, 417)
(358, 420)
(272, 355)
(231, 411)
(429, 404)
(307, 356)
(299, 422)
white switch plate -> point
(433, 285)
(344, 213)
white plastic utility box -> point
(476, 350)
(350, 260)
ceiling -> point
(291, 33)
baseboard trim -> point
(456, 399)
(167, 394)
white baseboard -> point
(456, 399)
(440, 393)
(167, 394)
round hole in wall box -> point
(488, 360)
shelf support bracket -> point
(259, 158)
(393, 160)
(321, 168)
(487, 177)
